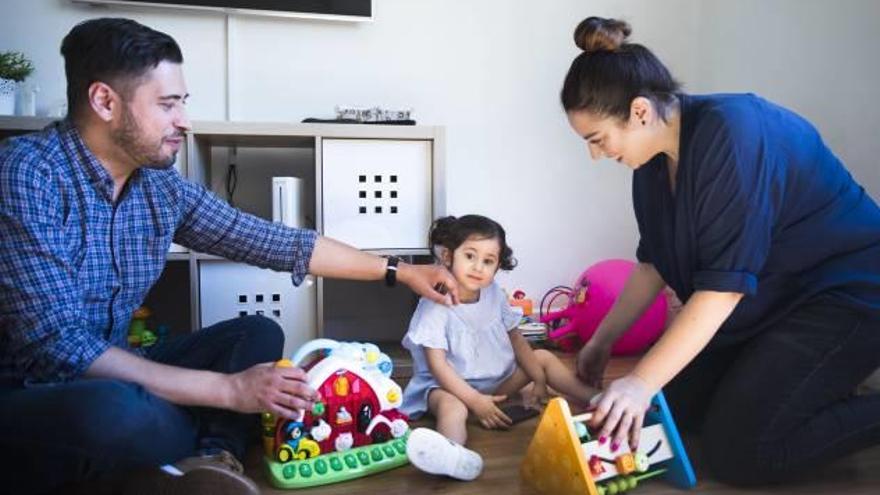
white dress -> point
(474, 336)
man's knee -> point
(264, 337)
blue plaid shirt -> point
(74, 265)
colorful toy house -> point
(352, 431)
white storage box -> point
(377, 193)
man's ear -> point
(103, 100)
(641, 111)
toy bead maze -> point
(353, 430)
(562, 458)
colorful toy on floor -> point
(590, 300)
(138, 335)
(353, 430)
(580, 465)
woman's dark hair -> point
(451, 232)
(114, 51)
(611, 72)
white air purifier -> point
(288, 194)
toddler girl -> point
(468, 358)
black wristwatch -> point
(391, 271)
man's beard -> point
(130, 138)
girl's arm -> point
(525, 358)
(482, 405)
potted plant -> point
(14, 68)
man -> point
(88, 208)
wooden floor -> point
(502, 453)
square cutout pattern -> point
(379, 206)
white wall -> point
(816, 57)
(490, 71)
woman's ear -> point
(641, 111)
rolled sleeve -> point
(210, 225)
(734, 208)
(742, 282)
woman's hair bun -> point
(596, 34)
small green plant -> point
(15, 66)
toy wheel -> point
(284, 453)
(307, 448)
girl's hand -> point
(486, 410)
(620, 410)
(592, 361)
(537, 396)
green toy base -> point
(338, 466)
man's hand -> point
(432, 281)
(265, 387)
(486, 409)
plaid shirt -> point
(74, 265)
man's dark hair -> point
(114, 51)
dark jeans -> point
(783, 403)
(57, 434)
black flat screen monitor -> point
(342, 9)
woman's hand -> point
(592, 361)
(486, 409)
(282, 391)
(620, 410)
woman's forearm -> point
(699, 320)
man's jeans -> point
(783, 403)
(56, 434)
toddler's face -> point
(475, 262)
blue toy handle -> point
(679, 470)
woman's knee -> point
(734, 455)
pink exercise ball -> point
(604, 282)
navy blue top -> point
(761, 207)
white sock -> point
(433, 453)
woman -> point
(769, 242)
